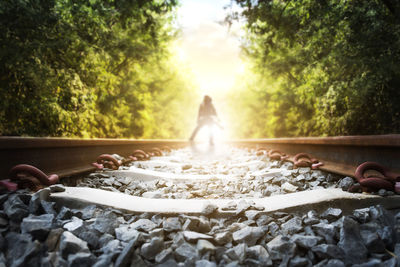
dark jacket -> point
(206, 113)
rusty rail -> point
(341, 154)
(71, 156)
(66, 156)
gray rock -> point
(15, 208)
(397, 248)
(150, 250)
(177, 239)
(362, 215)
(382, 216)
(306, 241)
(251, 214)
(111, 246)
(34, 203)
(346, 183)
(264, 220)
(300, 178)
(382, 192)
(157, 219)
(104, 239)
(53, 239)
(281, 246)
(273, 228)
(125, 257)
(370, 263)
(292, 226)
(124, 233)
(204, 246)
(37, 226)
(48, 207)
(311, 218)
(172, 224)
(351, 242)
(248, 235)
(299, 262)
(205, 263)
(372, 241)
(223, 238)
(56, 260)
(158, 232)
(388, 236)
(57, 188)
(22, 251)
(64, 214)
(304, 170)
(330, 263)
(105, 260)
(186, 251)
(331, 214)
(91, 237)
(259, 253)
(393, 262)
(325, 230)
(88, 212)
(75, 226)
(143, 225)
(70, 244)
(81, 259)
(3, 222)
(238, 252)
(288, 187)
(203, 225)
(2, 243)
(168, 263)
(164, 255)
(105, 225)
(194, 236)
(326, 251)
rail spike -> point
(275, 154)
(29, 176)
(108, 161)
(156, 152)
(389, 181)
(7, 184)
(166, 148)
(140, 155)
(262, 151)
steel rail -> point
(340, 154)
(66, 156)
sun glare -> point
(208, 47)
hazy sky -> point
(207, 47)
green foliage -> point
(322, 67)
(87, 68)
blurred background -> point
(140, 69)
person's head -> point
(207, 99)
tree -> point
(333, 64)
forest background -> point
(106, 69)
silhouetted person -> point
(207, 116)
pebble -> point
(172, 224)
(346, 183)
(35, 232)
(328, 239)
(248, 177)
(70, 244)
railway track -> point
(235, 205)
